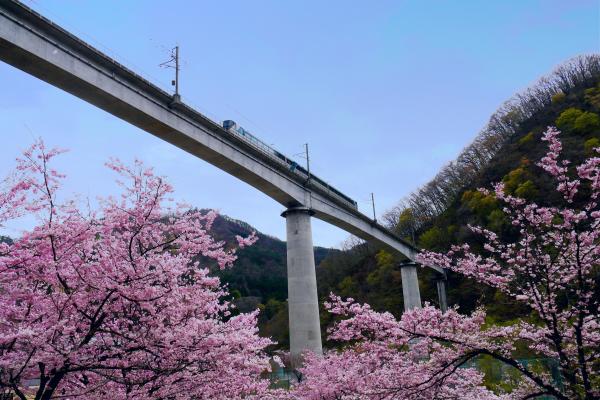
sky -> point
(384, 92)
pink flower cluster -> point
(389, 359)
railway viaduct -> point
(37, 46)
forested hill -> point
(436, 214)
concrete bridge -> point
(35, 45)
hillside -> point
(437, 214)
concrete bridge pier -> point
(410, 286)
(303, 302)
(440, 283)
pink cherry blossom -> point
(111, 303)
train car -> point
(229, 124)
(233, 128)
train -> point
(233, 128)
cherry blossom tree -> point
(110, 303)
(390, 359)
(553, 266)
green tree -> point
(519, 181)
(272, 307)
(497, 220)
(526, 190)
(526, 139)
(514, 179)
(406, 224)
(385, 268)
(592, 96)
(587, 122)
(590, 145)
(384, 258)
(433, 238)
(479, 203)
(558, 98)
(566, 120)
(348, 287)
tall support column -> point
(441, 280)
(410, 286)
(441, 290)
(303, 302)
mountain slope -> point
(437, 214)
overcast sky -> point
(385, 92)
